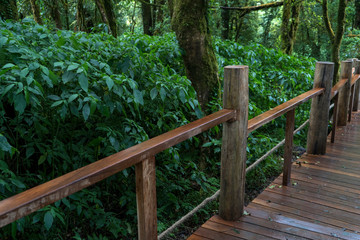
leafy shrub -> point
(69, 99)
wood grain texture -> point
(270, 115)
(319, 113)
(145, 173)
(357, 86)
(35, 198)
(234, 143)
(288, 148)
(337, 87)
(344, 93)
(352, 93)
(335, 114)
(322, 201)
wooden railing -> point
(233, 155)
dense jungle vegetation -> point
(81, 80)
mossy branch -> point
(327, 21)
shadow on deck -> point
(323, 201)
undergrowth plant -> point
(69, 99)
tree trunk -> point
(357, 14)
(55, 13)
(335, 38)
(36, 11)
(66, 9)
(289, 24)
(106, 10)
(191, 27)
(147, 17)
(8, 10)
(80, 16)
(225, 20)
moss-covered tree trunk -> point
(36, 11)
(80, 16)
(55, 13)
(107, 14)
(289, 24)
(357, 14)
(335, 38)
(190, 24)
(147, 17)
(225, 20)
(8, 10)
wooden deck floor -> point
(323, 201)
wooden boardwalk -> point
(323, 201)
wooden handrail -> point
(35, 198)
(337, 87)
(355, 78)
(281, 109)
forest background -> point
(80, 80)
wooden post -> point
(357, 86)
(344, 93)
(234, 142)
(319, 114)
(146, 199)
(288, 149)
(335, 112)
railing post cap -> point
(325, 63)
(236, 66)
(347, 61)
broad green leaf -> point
(8, 65)
(45, 70)
(20, 103)
(182, 96)
(58, 64)
(61, 42)
(48, 220)
(109, 83)
(54, 97)
(83, 81)
(138, 97)
(162, 93)
(57, 103)
(24, 72)
(92, 107)
(17, 183)
(72, 97)
(73, 67)
(8, 88)
(153, 93)
(86, 111)
(42, 159)
(4, 145)
(3, 40)
(67, 77)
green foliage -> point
(69, 99)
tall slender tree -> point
(189, 21)
(357, 14)
(36, 11)
(8, 10)
(147, 17)
(289, 24)
(107, 14)
(335, 37)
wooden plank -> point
(352, 93)
(35, 198)
(288, 148)
(309, 207)
(354, 79)
(288, 211)
(279, 231)
(233, 231)
(234, 143)
(305, 225)
(196, 237)
(145, 173)
(270, 115)
(357, 86)
(211, 234)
